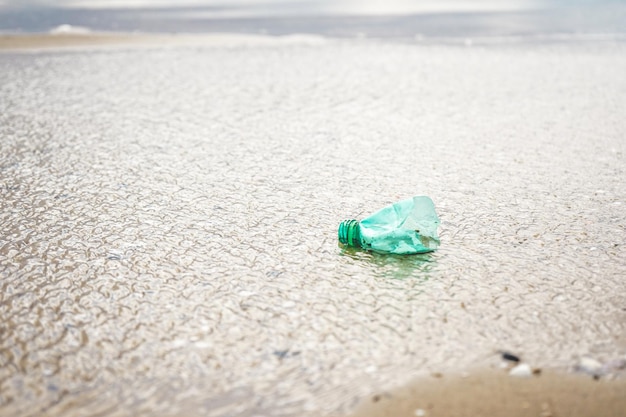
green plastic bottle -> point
(406, 227)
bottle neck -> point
(350, 233)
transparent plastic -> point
(406, 227)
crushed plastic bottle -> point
(406, 227)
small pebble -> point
(523, 370)
(282, 354)
(589, 366)
(420, 413)
(509, 356)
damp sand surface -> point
(99, 40)
(497, 394)
(43, 41)
(168, 224)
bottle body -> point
(406, 227)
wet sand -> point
(498, 394)
(482, 392)
(40, 41)
(33, 42)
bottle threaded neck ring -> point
(350, 233)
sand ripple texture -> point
(168, 221)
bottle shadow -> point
(390, 266)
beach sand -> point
(481, 392)
(34, 42)
(41, 41)
(498, 394)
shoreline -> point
(15, 42)
(48, 40)
(496, 393)
(51, 41)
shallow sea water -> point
(168, 220)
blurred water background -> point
(168, 214)
(345, 18)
